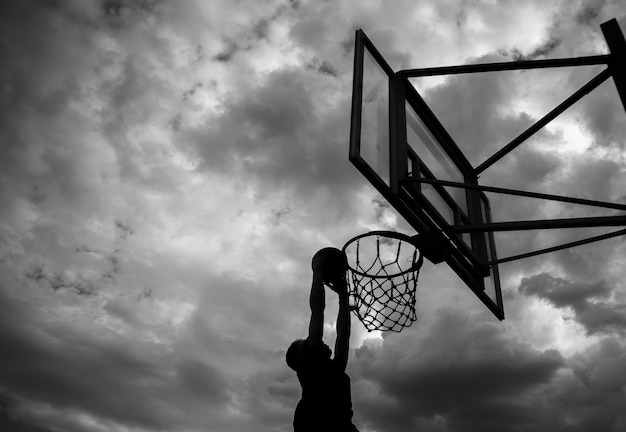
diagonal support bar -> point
(595, 82)
(559, 247)
(585, 222)
(516, 192)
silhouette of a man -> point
(326, 403)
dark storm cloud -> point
(474, 109)
(288, 133)
(540, 52)
(323, 67)
(49, 123)
(591, 397)
(235, 328)
(40, 365)
(590, 11)
(11, 422)
(545, 49)
(228, 52)
(588, 301)
(126, 13)
(25, 55)
(561, 292)
(203, 380)
(578, 30)
(605, 117)
(253, 129)
(316, 26)
(37, 272)
(270, 397)
(105, 377)
(600, 175)
(254, 34)
(468, 373)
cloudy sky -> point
(168, 169)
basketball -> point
(331, 262)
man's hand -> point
(340, 286)
(342, 341)
(330, 264)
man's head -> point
(295, 353)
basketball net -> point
(383, 268)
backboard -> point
(398, 144)
(407, 155)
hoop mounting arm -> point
(585, 222)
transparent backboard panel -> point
(430, 156)
(467, 239)
(434, 163)
(492, 282)
(383, 100)
(375, 117)
(437, 201)
(420, 139)
(490, 288)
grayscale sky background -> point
(168, 168)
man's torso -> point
(326, 398)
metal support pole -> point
(557, 248)
(506, 66)
(617, 63)
(585, 222)
(516, 192)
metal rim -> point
(390, 234)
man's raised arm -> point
(342, 343)
(317, 302)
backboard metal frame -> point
(438, 243)
(448, 208)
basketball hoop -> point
(383, 268)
